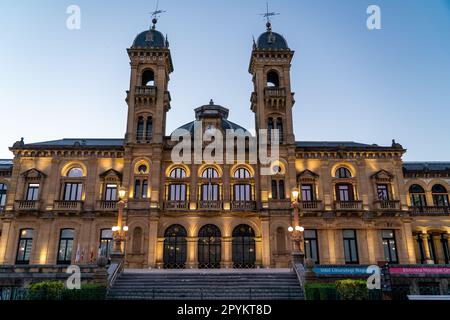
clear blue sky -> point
(350, 83)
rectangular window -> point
(311, 245)
(421, 248)
(73, 191)
(344, 192)
(33, 192)
(307, 192)
(177, 192)
(440, 200)
(281, 192)
(350, 247)
(65, 246)
(25, 245)
(210, 192)
(106, 242)
(382, 192)
(3, 190)
(389, 246)
(144, 189)
(444, 243)
(418, 200)
(274, 189)
(111, 192)
(242, 192)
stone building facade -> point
(358, 203)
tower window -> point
(140, 129)
(148, 78)
(273, 79)
(149, 128)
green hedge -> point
(351, 289)
(320, 291)
(348, 289)
(55, 290)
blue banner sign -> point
(349, 270)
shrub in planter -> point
(46, 290)
(86, 292)
(320, 291)
(351, 289)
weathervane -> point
(267, 16)
(155, 14)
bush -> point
(45, 290)
(320, 291)
(350, 289)
(55, 290)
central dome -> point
(271, 40)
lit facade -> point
(358, 203)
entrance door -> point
(209, 247)
(175, 247)
(243, 247)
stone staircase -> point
(257, 284)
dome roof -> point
(214, 111)
(271, 40)
(150, 39)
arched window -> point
(343, 173)
(243, 247)
(3, 190)
(75, 172)
(24, 247)
(440, 195)
(241, 173)
(148, 78)
(209, 246)
(177, 173)
(149, 129)
(281, 240)
(175, 247)
(273, 80)
(137, 240)
(270, 127)
(140, 129)
(280, 129)
(417, 194)
(210, 173)
(142, 169)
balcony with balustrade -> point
(176, 205)
(430, 211)
(27, 205)
(243, 205)
(213, 205)
(106, 205)
(311, 206)
(387, 205)
(355, 205)
(68, 205)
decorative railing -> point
(275, 92)
(314, 205)
(348, 205)
(243, 205)
(280, 204)
(145, 90)
(210, 205)
(106, 205)
(68, 205)
(430, 210)
(25, 205)
(387, 205)
(176, 205)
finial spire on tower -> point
(155, 14)
(267, 16)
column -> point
(227, 255)
(409, 241)
(265, 242)
(155, 245)
(438, 248)
(371, 246)
(258, 251)
(192, 253)
(4, 243)
(40, 242)
(363, 249)
(426, 248)
(339, 246)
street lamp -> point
(119, 230)
(296, 231)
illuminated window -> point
(25, 246)
(75, 172)
(65, 246)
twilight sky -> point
(350, 83)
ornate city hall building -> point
(358, 203)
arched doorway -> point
(244, 247)
(175, 247)
(209, 247)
